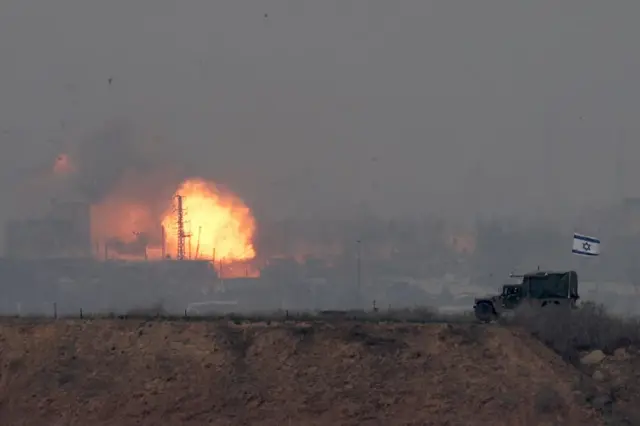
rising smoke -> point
(117, 159)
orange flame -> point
(220, 225)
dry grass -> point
(588, 328)
(397, 367)
(571, 335)
(335, 372)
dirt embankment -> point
(616, 379)
(125, 372)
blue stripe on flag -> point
(585, 238)
(584, 253)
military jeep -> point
(537, 290)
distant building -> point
(631, 214)
(65, 231)
(463, 243)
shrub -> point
(587, 328)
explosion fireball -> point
(125, 222)
(220, 225)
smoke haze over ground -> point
(436, 112)
(317, 107)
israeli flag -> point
(584, 245)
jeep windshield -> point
(511, 290)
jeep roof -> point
(540, 273)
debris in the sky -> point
(110, 80)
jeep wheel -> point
(484, 312)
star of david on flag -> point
(584, 245)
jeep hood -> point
(488, 298)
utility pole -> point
(164, 243)
(198, 242)
(358, 264)
(620, 172)
(189, 239)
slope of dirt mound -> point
(179, 373)
(618, 375)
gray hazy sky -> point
(408, 106)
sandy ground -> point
(128, 372)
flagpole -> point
(573, 242)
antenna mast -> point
(181, 234)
